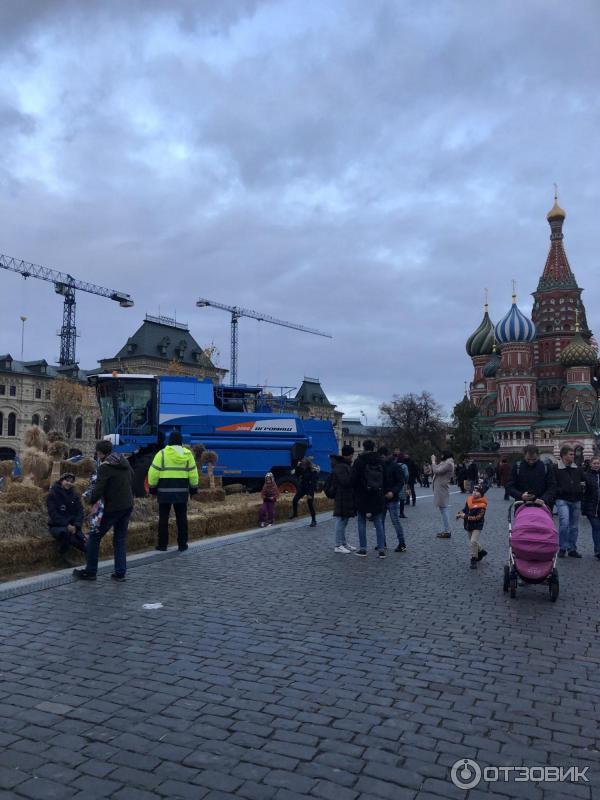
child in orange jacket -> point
(473, 515)
(269, 494)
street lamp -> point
(23, 321)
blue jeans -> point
(445, 512)
(119, 520)
(595, 523)
(362, 530)
(393, 506)
(568, 523)
(340, 530)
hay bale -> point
(6, 469)
(14, 508)
(209, 457)
(85, 468)
(81, 485)
(235, 488)
(55, 436)
(32, 496)
(58, 450)
(35, 463)
(209, 496)
(35, 437)
(197, 450)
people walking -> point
(114, 486)
(591, 501)
(413, 475)
(461, 476)
(504, 476)
(570, 485)
(399, 458)
(473, 515)
(307, 476)
(426, 475)
(65, 516)
(393, 485)
(343, 495)
(532, 479)
(442, 476)
(472, 474)
(368, 483)
(270, 495)
(173, 477)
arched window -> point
(47, 424)
(1, 423)
(79, 428)
(98, 429)
(35, 420)
(12, 425)
(38, 393)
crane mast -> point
(65, 285)
(236, 313)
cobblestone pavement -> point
(278, 669)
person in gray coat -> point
(442, 476)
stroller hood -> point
(533, 536)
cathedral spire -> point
(557, 272)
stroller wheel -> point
(506, 578)
(513, 585)
(554, 588)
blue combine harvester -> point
(139, 411)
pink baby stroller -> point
(532, 548)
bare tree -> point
(68, 401)
(415, 424)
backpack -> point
(373, 479)
(329, 488)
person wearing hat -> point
(173, 477)
(65, 516)
(114, 485)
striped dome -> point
(491, 368)
(481, 341)
(515, 327)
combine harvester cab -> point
(139, 411)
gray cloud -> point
(365, 170)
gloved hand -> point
(193, 490)
(153, 489)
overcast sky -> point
(362, 168)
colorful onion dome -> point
(491, 368)
(578, 353)
(481, 341)
(515, 326)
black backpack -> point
(373, 479)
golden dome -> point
(556, 211)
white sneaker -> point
(350, 547)
(341, 549)
(269, 524)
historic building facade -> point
(534, 379)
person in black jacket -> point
(114, 485)
(368, 483)
(393, 484)
(591, 501)
(413, 475)
(65, 516)
(532, 479)
(570, 485)
(307, 476)
(344, 505)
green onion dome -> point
(578, 353)
(481, 341)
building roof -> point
(164, 338)
(354, 427)
(577, 422)
(311, 393)
(40, 368)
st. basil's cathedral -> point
(535, 379)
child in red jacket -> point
(269, 494)
(473, 515)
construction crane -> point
(64, 285)
(236, 313)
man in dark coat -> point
(531, 479)
(504, 476)
(393, 485)
(344, 505)
(114, 486)
(570, 486)
(307, 476)
(65, 516)
(368, 484)
(413, 475)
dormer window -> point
(163, 345)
